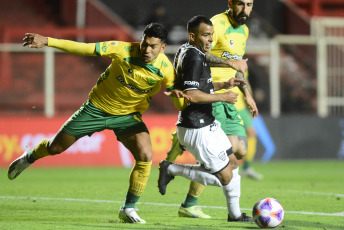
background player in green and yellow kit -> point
(116, 102)
(229, 41)
(241, 106)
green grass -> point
(311, 192)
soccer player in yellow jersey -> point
(229, 41)
(116, 102)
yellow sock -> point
(195, 189)
(251, 148)
(41, 149)
(139, 176)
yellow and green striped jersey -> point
(127, 84)
(228, 42)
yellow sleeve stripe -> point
(79, 48)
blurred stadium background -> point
(296, 68)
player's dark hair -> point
(194, 22)
(156, 30)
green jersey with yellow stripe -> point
(228, 42)
(127, 84)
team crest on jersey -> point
(231, 42)
(222, 155)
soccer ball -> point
(268, 213)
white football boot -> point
(18, 166)
(129, 215)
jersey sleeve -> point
(191, 71)
(78, 48)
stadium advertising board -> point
(101, 149)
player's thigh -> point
(209, 145)
(86, 121)
(247, 118)
(230, 119)
(139, 144)
(133, 133)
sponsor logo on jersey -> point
(230, 56)
(193, 83)
(113, 43)
(132, 87)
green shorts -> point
(228, 116)
(89, 119)
(246, 116)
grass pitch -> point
(311, 192)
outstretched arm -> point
(229, 84)
(245, 89)
(179, 99)
(32, 40)
(239, 65)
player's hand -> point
(239, 65)
(252, 107)
(177, 93)
(230, 97)
(35, 40)
(234, 82)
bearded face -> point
(240, 10)
(241, 18)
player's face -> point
(241, 10)
(203, 37)
(150, 47)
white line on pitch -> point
(157, 204)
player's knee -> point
(145, 155)
(233, 161)
(225, 180)
(240, 154)
(55, 149)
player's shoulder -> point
(220, 19)
(116, 47)
(194, 54)
(246, 29)
(163, 62)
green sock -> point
(130, 200)
(189, 201)
(247, 164)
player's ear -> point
(163, 48)
(191, 36)
(230, 4)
